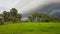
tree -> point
(43, 17)
(30, 18)
(19, 16)
(6, 16)
(37, 17)
(14, 20)
(1, 21)
(14, 15)
(13, 12)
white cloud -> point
(23, 5)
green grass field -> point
(30, 28)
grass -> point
(30, 28)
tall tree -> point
(14, 15)
(6, 16)
(13, 12)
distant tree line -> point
(43, 17)
(14, 17)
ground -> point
(30, 28)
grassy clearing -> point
(30, 28)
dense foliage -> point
(43, 17)
(14, 17)
(11, 16)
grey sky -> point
(23, 5)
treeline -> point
(14, 17)
(43, 17)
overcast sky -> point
(23, 5)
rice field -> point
(30, 28)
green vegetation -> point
(43, 17)
(30, 28)
(37, 23)
(14, 17)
